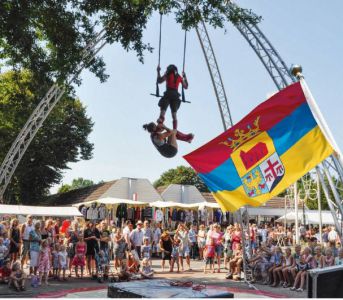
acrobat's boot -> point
(184, 137)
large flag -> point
(268, 150)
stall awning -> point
(311, 216)
(47, 211)
(113, 201)
(164, 204)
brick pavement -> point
(196, 275)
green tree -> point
(76, 184)
(181, 175)
(47, 37)
(62, 139)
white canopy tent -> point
(47, 211)
(311, 216)
(164, 204)
(208, 204)
(113, 201)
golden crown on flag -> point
(242, 136)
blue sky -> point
(306, 32)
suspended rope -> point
(157, 94)
(183, 67)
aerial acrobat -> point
(163, 138)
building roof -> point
(125, 188)
(182, 193)
(88, 193)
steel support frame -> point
(281, 76)
(216, 78)
(41, 112)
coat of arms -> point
(256, 160)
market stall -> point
(311, 217)
(39, 211)
(115, 210)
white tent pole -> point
(296, 213)
(285, 215)
(319, 210)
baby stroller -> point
(102, 263)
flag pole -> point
(296, 213)
(296, 71)
(319, 210)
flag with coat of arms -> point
(268, 150)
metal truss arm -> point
(41, 112)
(216, 78)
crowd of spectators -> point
(41, 251)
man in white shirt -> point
(332, 235)
(126, 233)
(147, 232)
(136, 238)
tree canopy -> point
(76, 184)
(62, 139)
(181, 175)
(47, 36)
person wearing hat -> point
(136, 238)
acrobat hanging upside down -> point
(163, 138)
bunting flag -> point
(263, 154)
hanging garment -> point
(84, 211)
(102, 212)
(181, 215)
(174, 214)
(138, 215)
(147, 213)
(195, 216)
(158, 215)
(131, 214)
(188, 216)
(121, 211)
(92, 213)
(210, 215)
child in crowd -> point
(175, 255)
(6, 241)
(339, 258)
(123, 274)
(227, 247)
(119, 249)
(17, 277)
(236, 263)
(133, 262)
(147, 272)
(62, 262)
(305, 264)
(6, 272)
(3, 252)
(317, 261)
(296, 260)
(146, 250)
(276, 259)
(209, 253)
(288, 262)
(55, 262)
(80, 256)
(44, 262)
(328, 260)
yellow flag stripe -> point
(298, 160)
